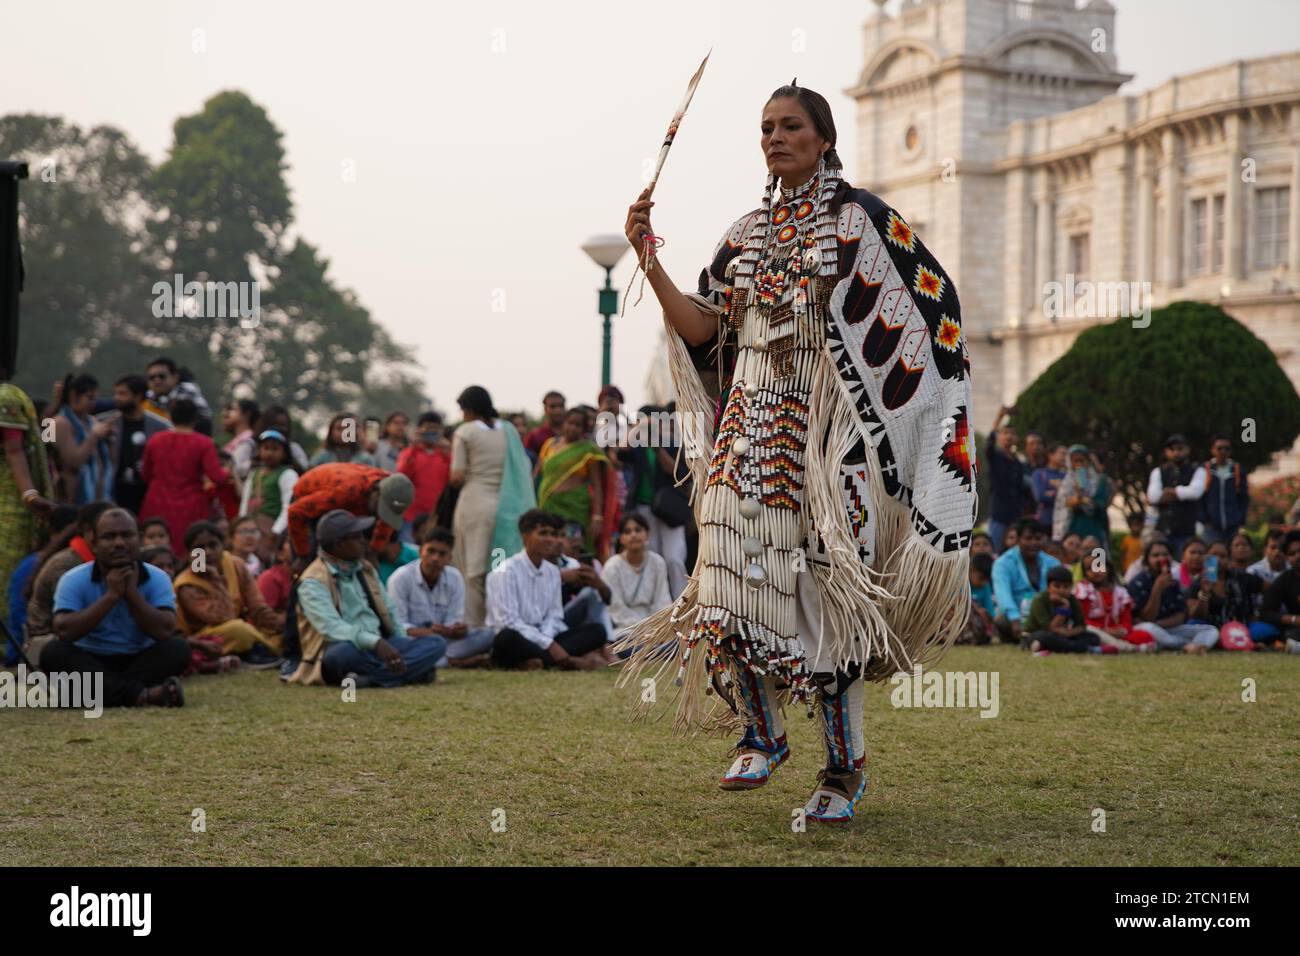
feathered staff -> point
(650, 241)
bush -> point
(1196, 370)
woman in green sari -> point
(573, 471)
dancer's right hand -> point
(638, 221)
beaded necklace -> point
(791, 247)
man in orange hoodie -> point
(362, 490)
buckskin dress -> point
(836, 508)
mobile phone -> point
(1212, 569)
(372, 431)
(586, 559)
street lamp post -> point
(605, 251)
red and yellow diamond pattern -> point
(927, 283)
(900, 233)
(949, 334)
(958, 453)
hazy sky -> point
(489, 139)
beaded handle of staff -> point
(651, 242)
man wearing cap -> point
(362, 490)
(1174, 490)
(347, 623)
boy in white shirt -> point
(524, 607)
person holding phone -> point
(1220, 594)
(1082, 499)
(82, 443)
(133, 425)
(1191, 562)
(583, 589)
(1162, 606)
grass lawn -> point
(1186, 771)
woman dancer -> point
(835, 512)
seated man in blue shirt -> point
(348, 626)
(430, 598)
(1019, 574)
(117, 616)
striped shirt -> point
(421, 605)
(525, 598)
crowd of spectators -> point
(1047, 575)
(135, 544)
(147, 548)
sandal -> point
(175, 693)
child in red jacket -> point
(1107, 607)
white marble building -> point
(995, 127)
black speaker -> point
(11, 265)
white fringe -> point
(853, 598)
(694, 405)
(929, 600)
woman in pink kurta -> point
(174, 467)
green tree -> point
(86, 296)
(317, 346)
(1196, 370)
(225, 216)
(223, 191)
